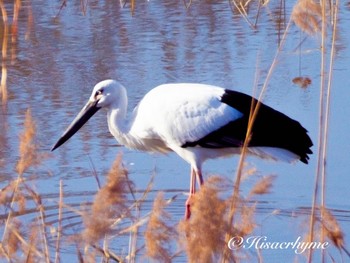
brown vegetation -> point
(110, 203)
(307, 15)
(159, 234)
(203, 235)
(29, 155)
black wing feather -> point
(271, 129)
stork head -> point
(105, 94)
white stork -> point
(196, 121)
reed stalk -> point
(324, 106)
(253, 114)
(59, 227)
(3, 83)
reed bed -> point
(202, 238)
(115, 210)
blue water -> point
(63, 56)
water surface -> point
(61, 55)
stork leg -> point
(199, 178)
(195, 174)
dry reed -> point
(31, 252)
(110, 203)
(59, 227)
(30, 22)
(263, 186)
(159, 234)
(202, 236)
(332, 228)
(241, 7)
(302, 82)
(41, 219)
(17, 192)
(28, 148)
(9, 41)
(3, 83)
(325, 8)
(28, 157)
(235, 199)
(11, 242)
(307, 15)
(14, 29)
(6, 195)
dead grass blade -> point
(63, 5)
(241, 7)
(42, 219)
(253, 113)
(108, 254)
(187, 4)
(324, 105)
(14, 29)
(59, 227)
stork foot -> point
(188, 208)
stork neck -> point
(118, 124)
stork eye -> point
(99, 92)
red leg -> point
(199, 178)
(192, 192)
(194, 175)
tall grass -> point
(110, 203)
(9, 35)
(15, 195)
(103, 219)
(312, 18)
(159, 234)
(203, 236)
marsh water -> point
(60, 53)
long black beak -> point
(84, 115)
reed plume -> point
(28, 149)
(11, 241)
(110, 203)
(159, 234)
(332, 228)
(32, 253)
(203, 234)
(306, 15)
(263, 186)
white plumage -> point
(196, 121)
(179, 113)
